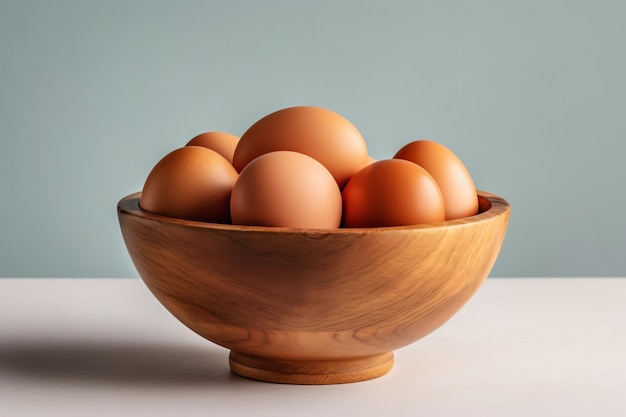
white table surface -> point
(520, 347)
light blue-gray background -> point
(529, 94)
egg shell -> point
(392, 192)
(193, 183)
(286, 189)
(453, 178)
(320, 133)
(221, 142)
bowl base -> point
(310, 372)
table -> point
(520, 347)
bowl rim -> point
(490, 206)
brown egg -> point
(455, 182)
(286, 189)
(193, 183)
(320, 133)
(220, 142)
(392, 192)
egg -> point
(221, 142)
(286, 189)
(317, 132)
(392, 192)
(453, 178)
(193, 183)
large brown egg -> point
(320, 133)
(455, 182)
(286, 189)
(221, 142)
(392, 192)
(193, 183)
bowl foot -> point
(310, 372)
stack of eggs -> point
(307, 167)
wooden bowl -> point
(313, 306)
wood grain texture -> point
(299, 300)
(336, 371)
